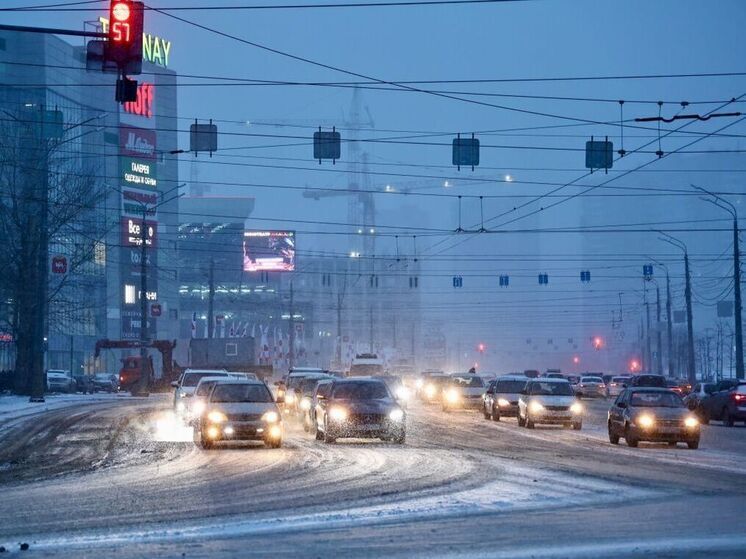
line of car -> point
(60, 380)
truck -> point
(365, 365)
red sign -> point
(156, 310)
(59, 265)
(132, 232)
(137, 142)
(145, 101)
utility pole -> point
(141, 388)
(291, 333)
(648, 348)
(339, 328)
(371, 328)
(211, 300)
(691, 366)
(724, 204)
(669, 321)
(658, 327)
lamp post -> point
(691, 372)
(669, 325)
(724, 204)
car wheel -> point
(487, 414)
(204, 442)
(399, 438)
(613, 437)
(577, 426)
(495, 414)
(446, 408)
(704, 419)
(672, 443)
(529, 423)
(694, 445)
(631, 440)
(317, 432)
(328, 439)
(521, 421)
(727, 419)
(273, 444)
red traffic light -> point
(120, 11)
(481, 347)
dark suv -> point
(359, 408)
(727, 403)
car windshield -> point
(438, 380)
(510, 386)
(620, 379)
(237, 393)
(741, 389)
(551, 389)
(655, 400)
(102, 376)
(591, 380)
(192, 379)
(360, 391)
(469, 382)
(364, 370)
(308, 384)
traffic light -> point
(124, 46)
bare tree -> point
(48, 200)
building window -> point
(130, 294)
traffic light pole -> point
(53, 31)
(144, 382)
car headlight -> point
(338, 414)
(182, 394)
(430, 391)
(646, 421)
(217, 417)
(576, 408)
(305, 404)
(419, 382)
(396, 415)
(198, 407)
(452, 395)
(290, 398)
(502, 402)
(535, 407)
(402, 393)
(691, 422)
(271, 417)
(180, 407)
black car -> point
(726, 403)
(648, 381)
(83, 383)
(359, 408)
(105, 382)
(652, 414)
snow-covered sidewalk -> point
(14, 407)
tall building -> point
(121, 149)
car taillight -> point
(739, 397)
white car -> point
(187, 384)
(590, 387)
(617, 384)
(60, 381)
(463, 391)
(549, 400)
(194, 406)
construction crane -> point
(361, 205)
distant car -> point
(652, 414)
(359, 408)
(320, 391)
(294, 391)
(682, 387)
(59, 380)
(531, 373)
(607, 379)
(573, 380)
(694, 399)
(553, 375)
(591, 387)
(502, 401)
(617, 384)
(304, 393)
(549, 400)
(727, 403)
(83, 383)
(239, 410)
(432, 390)
(463, 391)
(105, 382)
(187, 384)
(646, 380)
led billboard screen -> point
(269, 251)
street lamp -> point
(724, 204)
(691, 373)
(669, 325)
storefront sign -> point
(132, 232)
(137, 142)
(133, 202)
(138, 172)
(145, 101)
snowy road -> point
(90, 480)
